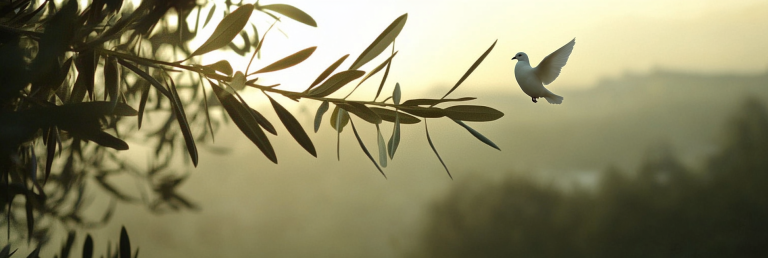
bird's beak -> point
(514, 58)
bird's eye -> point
(519, 55)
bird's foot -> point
(534, 99)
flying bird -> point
(533, 79)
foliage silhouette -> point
(69, 77)
(665, 209)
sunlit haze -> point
(443, 38)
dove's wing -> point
(549, 68)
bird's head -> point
(520, 56)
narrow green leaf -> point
(394, 141)
(34, 254)
(6, 252)
(229, 27)
(291, 12)
(380, 43)
(471, 69)
(319, 116)
(238, 81)
(391, 116)
(293, 126)
(263, 122)
(288, 61)
(336, 123)
(65, 250)
(477, 134)
(243, 117)
(342, 118)
(382, 148)
(88, 247)
(430, 112)
(125, 244)
(431, 145)
(143, 101)
(361, 111)
(335, 83)
(181, 117)
(327, 72)
(362, 145)
(396, 94)
(386, 74)
(210, 15)
(111, 79)
(53, 137)
(222, 66)
(159, 86)
(473, 113)
(373, 72)
(432, 102)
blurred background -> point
(658, 150)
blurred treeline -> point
(663, 209)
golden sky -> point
(443, 38)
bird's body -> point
(533, 79)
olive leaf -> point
(373, 72)
(336, 123)
(431, 145)
(335, 83)
(477, 134)
(365, 150)
(210, 15)
(432, 102)
(226, 31)
(361, 111)
(473, 113)
(222, 66)
(288, 61)
(382, 147)
(391, 116)
(427, 112)
(291, 12)
(245, 121)
(181, 117)
(319, 116)
(293, 126)
(327, 72)
(471, 69)
(111, 79)
(381, 42)
(125, 244)
(394, 141)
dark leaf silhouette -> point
(244, 119)
(432, 102)
(361, 111)
(291, 12)
(327, 72)
(335, 83)
(319, 116)
(88, 247)
(125, 244)
(473, 113)
(477, 134)
(381, 42)
(288, 61)
(222, 66)
(365, 150)
(392, 116)
(226, 31)
(471, 69)
(181, 117)
(431, 145)
(430, 112)
(293, 127)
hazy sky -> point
(443, 38)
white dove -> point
(533, 79)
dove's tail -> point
(553, 99)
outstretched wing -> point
(549, 68)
